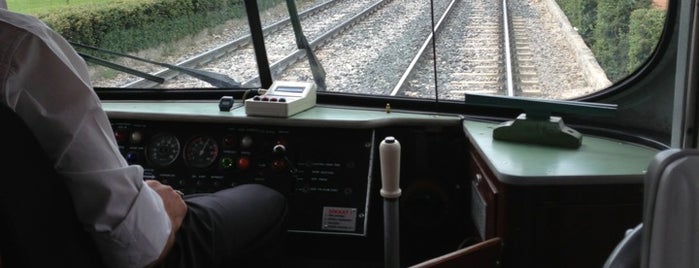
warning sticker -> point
(339, 219)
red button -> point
(243, 163)
(120, 136)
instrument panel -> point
(326, 178)
(329, 172)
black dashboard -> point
(329, 174)
(459, 185)
(326, 177)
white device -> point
(283, 99)
(389, 154)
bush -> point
(621, 33)
(645, 28)
(131, 26)
(582, 15)
(612, 35)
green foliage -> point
(582, 15)
(645, 28)
(127, 25)
(150, 35)
(621, 33)
(612, 35)
(34, 7)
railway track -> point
(472, 42)
(239, 54)
(479, 59)
(494, 56)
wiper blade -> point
(215, 79)
(302, 43)
(122, 68)
(258, 43)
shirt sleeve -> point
(127, 234)
(48, 87)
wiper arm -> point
(302, 43)
(215, 79)
(258, 43)
(122, 68)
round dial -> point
(201, 152)
(163, 149)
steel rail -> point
(223, 50)
(422, 51)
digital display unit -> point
(283, 99)
(290, 89)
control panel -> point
(325, 173)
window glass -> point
(440, 49)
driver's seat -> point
(38, 225)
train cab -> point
(402, 133)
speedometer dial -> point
(163, 149)
(201, 152)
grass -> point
(43, 6)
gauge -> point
(201, 152)
(163, 149)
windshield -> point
(440, 49)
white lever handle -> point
(389, 154)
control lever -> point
(280, 150)
(389, 155)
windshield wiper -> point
(302, 43)
(122, 68)
(215, 79)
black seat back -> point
(38, 224)
(671, 210)
(670, 230)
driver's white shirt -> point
(46, 83)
